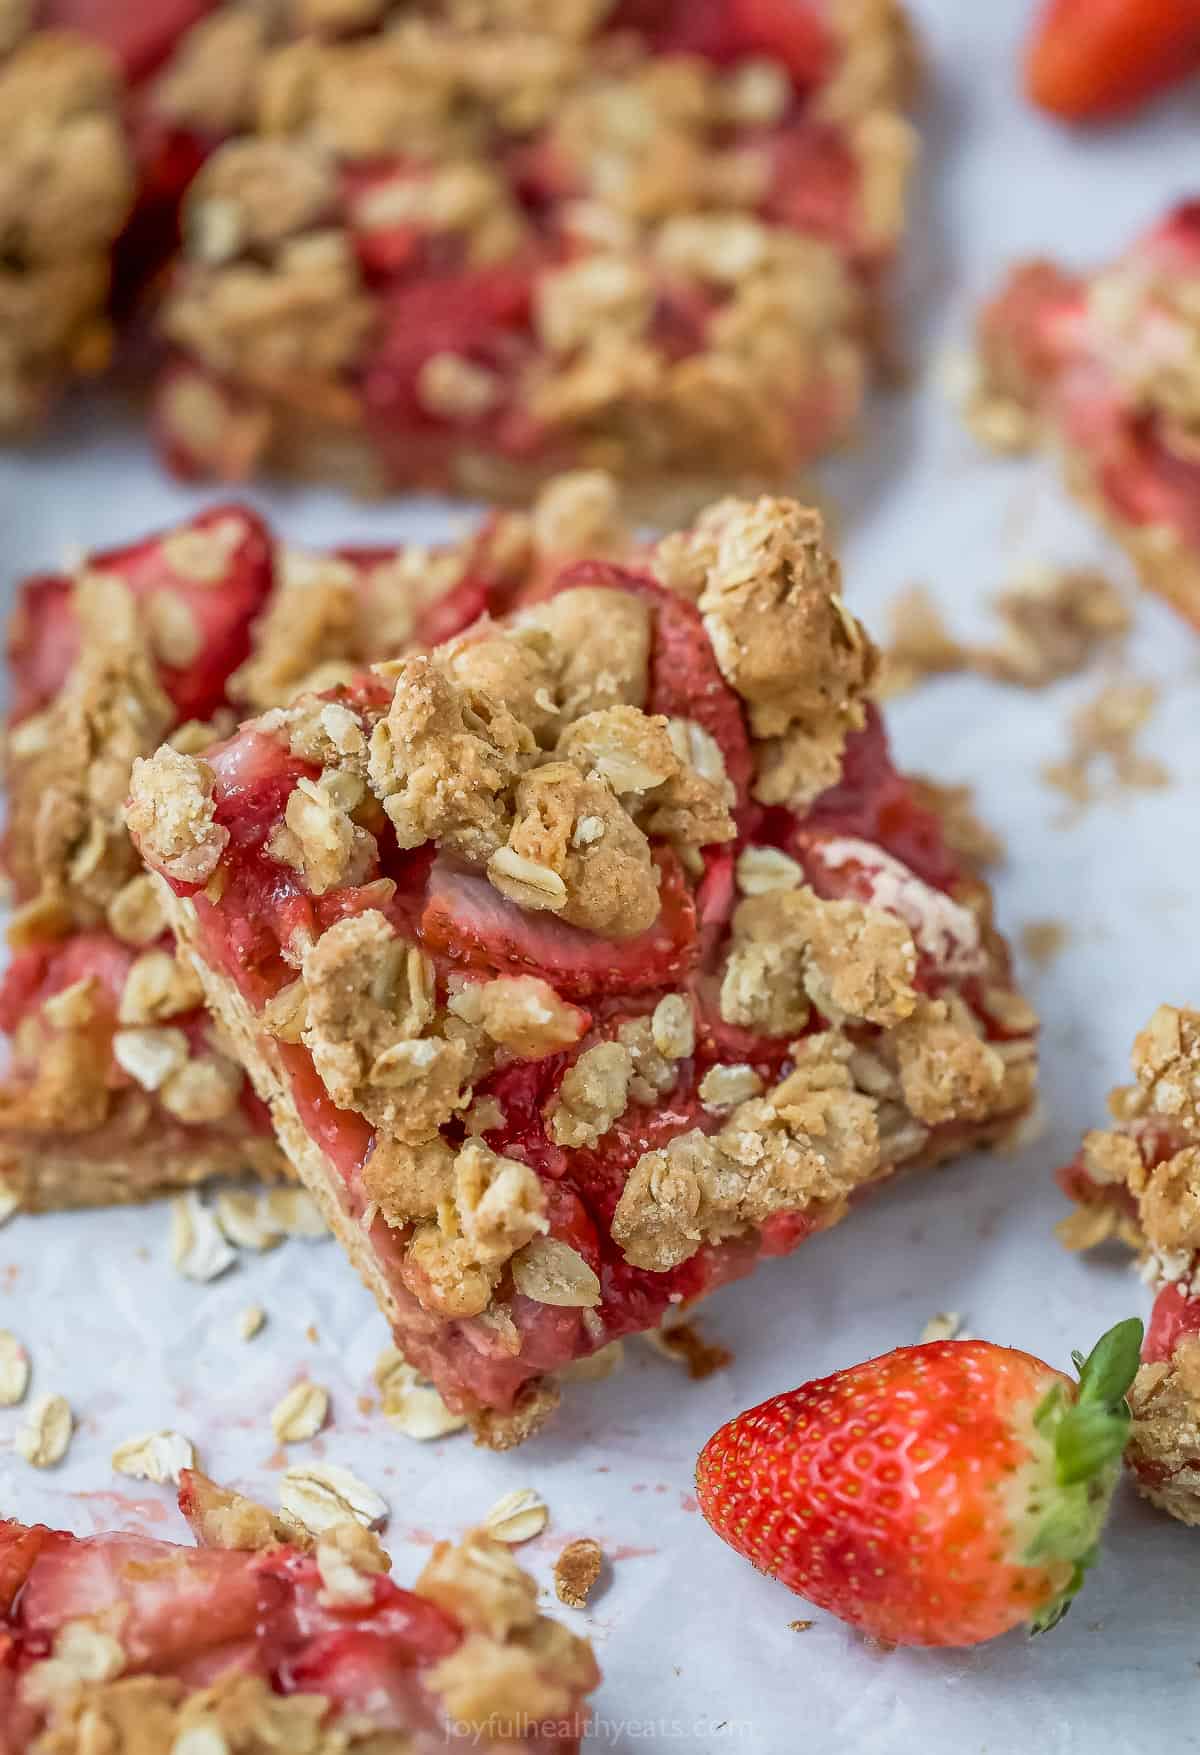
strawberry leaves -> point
(1087, 1436)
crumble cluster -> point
(1147, 1167)
(524, 751)
(66, 190)
(395, 131)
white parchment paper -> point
(697, 1651)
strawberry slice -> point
(40, 971)
(788, 31)
(141, 36)
(215, 609)
(177, 1603)
(19, 1548)
(1174, 1316)
(815, 185)
(470, 925)
(218, 569)
(482, 316)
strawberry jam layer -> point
(202, 1615)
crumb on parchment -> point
(1053, 622)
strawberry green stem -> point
(1087, 1434)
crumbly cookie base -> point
(299, 447)
(47, 1173)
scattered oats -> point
(576, 1571)
(517, 1517)
(246, 1220)
(14, 1370)
(410, 1402)
(198, 1250)
(800, 1626)
(251, 1321)
(760, 869)
(723, 1087)
(296, 1212)
(10, 1203)
(1042, 940)
(200, 1740)
(946, 1325)
(155, 1456)
(301, 1413)
(343, 1585)
(673, 1027)
(594, 1367)
(321, 1495)
(551, 1272)
(44, 1437)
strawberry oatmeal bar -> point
(268, 1638)
(468, 242)
(1139, 1182)
(1104, 367)
(595, 954)
(116, 1086)
(66, 191)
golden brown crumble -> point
(66, 189)
(965, 832)
(1164, 1439)
(68, 766)
(1044, 940)
(769, 592)
(806, 1144)
(1103, 737)
(221, 1518)
(1166, 1194)
(170, 812)
(577, 1571)
(1054, 620)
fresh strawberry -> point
(471, 925)
(937, 1495)
(1088, 59)
(140, 33)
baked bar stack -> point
(466, 243)
(270, 1637)
(595, 953)
(1102, 367)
